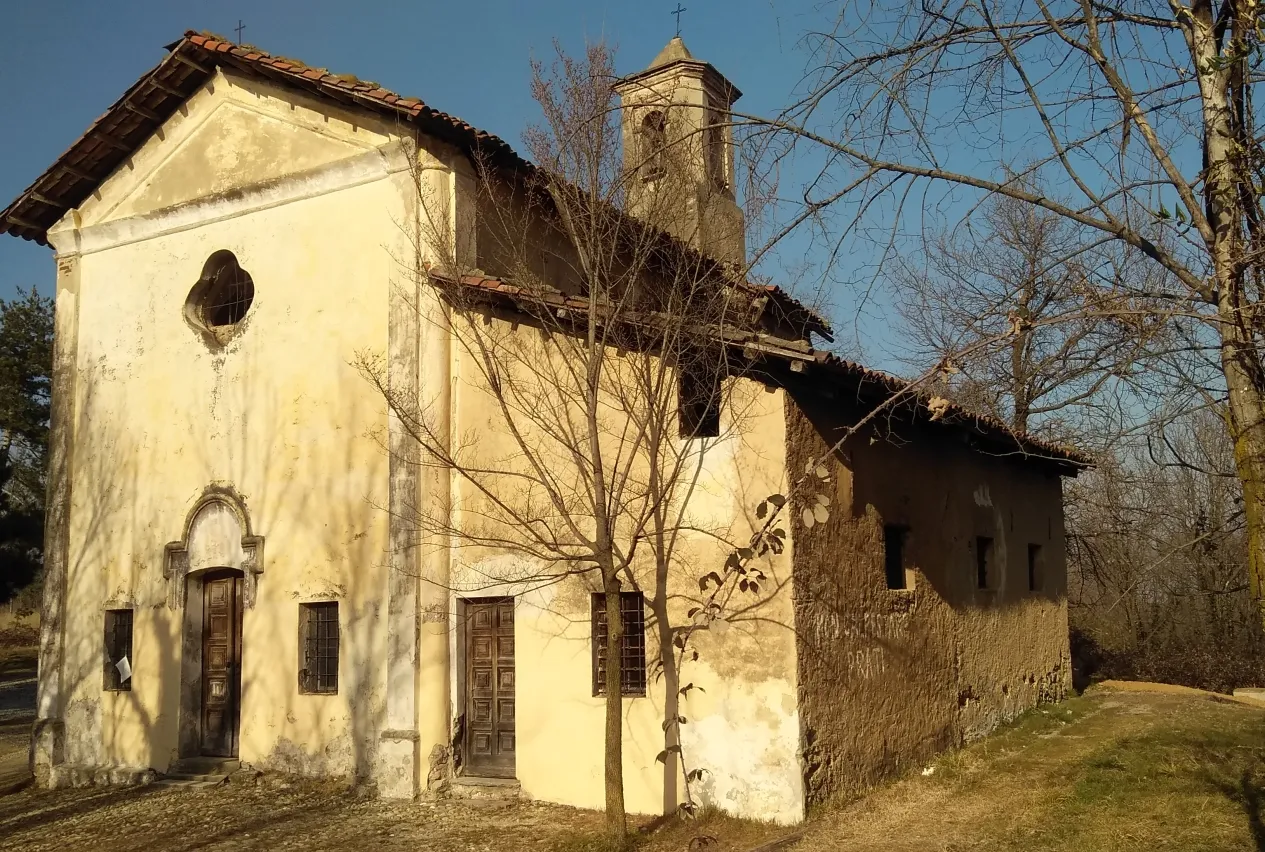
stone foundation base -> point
(48, 738)
(396, 772)
(99, 776)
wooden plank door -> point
(221, 663)
(490, 687)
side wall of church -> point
(279, 416)
(888, 677)
(741, 723)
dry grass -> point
(1110, 770)
(1113, 770)
(710, 831)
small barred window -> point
(318, 641)
(632, 657)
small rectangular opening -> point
(698, 400)
(318, 645)
(894, 556)
(985, 570)
(1035, 580)
(632, 657)
(118, 651)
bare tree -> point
(1059, 371)
(603, 350)
(1141, 113)
(1158, 585)
(1156, 549)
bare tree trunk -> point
(6, 450)
(1246, 423)
(1020, 379)
(616, 817)
(1226, 208)
(671, 685)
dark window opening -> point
(223, 293)
(653, 144)
(1035, 580)
(698, 401)
(717, 168)
(632, 653)
(118, 650)
(318, 640)
(984, 568)
(894, 556)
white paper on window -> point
(125, 670)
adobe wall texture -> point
(888, 678)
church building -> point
(233, 575)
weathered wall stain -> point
(157, 423)
(825, 683)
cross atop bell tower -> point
(678, 151)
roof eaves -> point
(190, 62)
(954, 414)
(1027, 446)
(109, 140)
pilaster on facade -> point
(49, 732)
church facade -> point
(231, 572)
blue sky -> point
(62, 63)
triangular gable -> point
(233, 133)
(152, 100)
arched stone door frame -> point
(217, 534)
(217, 538)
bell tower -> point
(679, 153)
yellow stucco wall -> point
(311, 201)
(279, 415)
(742, 726)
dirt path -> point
(304, 818)
(17, 713)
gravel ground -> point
(17, 712)
(246, 816)
(272, 813)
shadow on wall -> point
(296, 490)
(900, 661)
(311, 500)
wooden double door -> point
(489, 729)
(221, 663)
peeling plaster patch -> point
(337, 758)
(983, 498)
(748, 744)
(83, 732)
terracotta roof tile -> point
(835, 369)
(130, 120)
